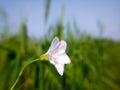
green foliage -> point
(94, 63)
(47, 7)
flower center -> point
(50, 57)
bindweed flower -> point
(56, 55)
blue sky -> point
(85, 12)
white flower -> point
(57, 55)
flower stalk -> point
(41, 58)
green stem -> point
(42, 57)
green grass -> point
(94, 63)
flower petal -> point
(52, 62)
(62, 58)
(60, 47)
(53, 44)
(60, 68)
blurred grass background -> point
(94, 61)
